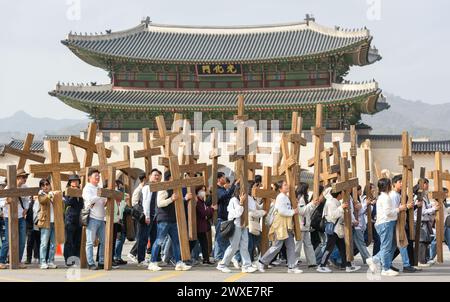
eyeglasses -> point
(46, 185)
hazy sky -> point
(412, 36)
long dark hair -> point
(302, 191)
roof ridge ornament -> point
(146, 21)
(309, 17)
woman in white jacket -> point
(385, 224)
(333, 212)
(239, 240)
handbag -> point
(329, 227)
(425, 232)
(84, 216)
(137, 212)
(227, 229)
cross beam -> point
(147, 152)
(25, 154)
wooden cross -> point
(369, 197)
(241, 116)
(147, 152)
(176, 184)
(89, 146)
(420, 195)
(267, 194)
(54, 168)
(128, 180)
(112, 195)
(319, 132)
(103, 165)
(241, 165)
(3, 172)
(289, 169)
(353, 155)
(189, 157)
(407, 163)
(25, 154)
(14, 193)
(164, 133)
(440, 197)
(346, 185)
(296, 140)
(214, 154)
(326, 175)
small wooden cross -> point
(112, 195)
(440, 197)
(147, 152)
(290, 179)
(420, 196)
(408, 165)
(267, 194)
(14, 193)
(25, 154)
(176, 184)
(345, 185)
(54, 168)
(327, 176)
(241, 116)
(369, 197)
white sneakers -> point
(431, 262)
(132, 258)
(235, 263)
(372, 265)
(389, 273)
(223, 268)
(153, 267)
(351, 269)
(261, 267)
(249, 269)
(51, 265)
(294, 270)
(44, 266)
(324, 269)
(181, 266)
(143, 264)
(423, 264)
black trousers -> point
(33, 244)
(153, 232)
(73, 241)
(203, 240)
(332, 241)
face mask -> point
(202, 194)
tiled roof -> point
(83, 97)
(61, 138)
(431, 146)
(379, 137)
(36, 146)
(158, 43)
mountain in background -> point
(419, 118)
(21, 123)
(422, 120)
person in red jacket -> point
(204, 213)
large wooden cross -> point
(25, 154)
(267, 194)
(296, 141)
(189, 157)
(319, 133)
(147, 152)
(54, 168)
(369, 197)
(353, 155)
(89, 146)
(407, 163)
(346, 185)
(420, 195)
(129, 177)
(176, 184)
(289, 168)
(214, 155)
(440, 197)
(112, 195)
(13, 193)
(163, 133)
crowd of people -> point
(149, 219)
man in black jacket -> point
(223, 198)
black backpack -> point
(317, 222)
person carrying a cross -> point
(23, 205)
(281, 231)
(46, 224)
(73, 228)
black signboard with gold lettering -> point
(219, 69)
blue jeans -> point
(386, 233)
(238, 242)
(47, 236)
(336, 256)
(253, 242)
(220, 244)
(119, 245)
(144, 233)
(164, 229)
(95, 229)
(22, 240)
